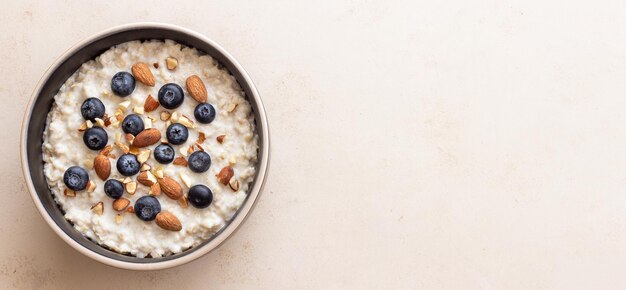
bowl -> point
(41, 101)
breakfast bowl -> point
(36, 120)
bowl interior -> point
(43, 102)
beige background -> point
(417, 144)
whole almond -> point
(225, 175)
(167, 221)
(147, 137)
(146, 178)
(120, 204)
(141, 72)
(171, 188)
(102, 166)
(196, 88)
(150, 104)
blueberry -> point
(114, 188)
(177, 134)
(132, 124)
(128, 165)
(164, 153)
(123, 84)
(147, 207)
(204, 113)
(200, 196)
(76, 178)
(92, 108)
(171, 96)
(199, 161)
(95, 138)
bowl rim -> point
(236, 221)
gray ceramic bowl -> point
(35, 120)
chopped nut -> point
(100, 122)
(147, 123)
(126, 180)
(91, 186)
(123, 147)
(185, 179)
(129, 137)
(171, 63)
(107, 120)
(232, 160)
(146, 178)
(225, 175)
(115, 124)
(165, 115)
(185, 121)
(145, 167)
(174, 117)
(231, 107)
(155, 189)
(138, 110)
(133, 150)
(119, 218)
(191, 149)
(130, 209)
(234, 184)
(118, 136)
(199, 147)
(143, 156)
(98, 208)
(201, 138)
(183, 201)
(220, 138)
(131, 187)
(88, 163)
(180, 161)
(183, 151)
(124, 105)
(120, 204)
(89, 124)
(106, 150)
(155, 65)
(150, 104)
(83, 127)
(69, 192)
(159, 173)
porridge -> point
(150, 148)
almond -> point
(167, 221)
(171, 63)
(143, 156)
(107, 149)
(91, 186)
(139, 110)
(220, 138)
(130, 209)
(119, 218)
(120, 204)
(155, 189)
(171, 188)
(123, 147)
(185, 179)
(69, 192)
(134, 150)
(146, 178)
(201, 138)
(234, 184)
(82, 127)
(141, 72)
(199, 147)
(225, 175)
(147, 137)
(102, 166)
(150, 104)
(155, 65)
(180, 161)
(131, 187)
(196, 88)
(165, 115)
(98, 208)
(129, 137)
(185, 121)
(100, 122)
(231, 107)
(184, 202)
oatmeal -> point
(150, 148)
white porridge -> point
(230, 140)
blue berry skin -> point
(91, 109)
(164, 153)
(200, 196)
(171, 96)
(76, 178)
(114, 188)
(132, 124)
(123, 84)
(204, 113)
(128, 165)
(177, 134)
(147, 207)
(95, 138)
(199, 161)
